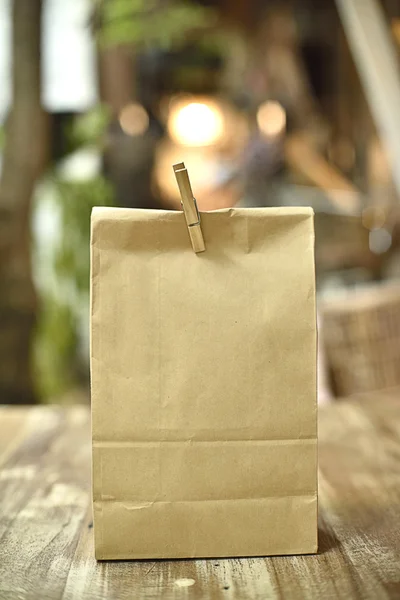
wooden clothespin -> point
(190, 209)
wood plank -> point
(46, 538)
(13, 421)
(44, 496)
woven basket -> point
(361, 333)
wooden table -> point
(46, 541)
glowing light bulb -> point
(196, 124)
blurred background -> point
(269, 103)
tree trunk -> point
(24, 158)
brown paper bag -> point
(203, 384)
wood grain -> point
(46, 540)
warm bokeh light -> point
(373, 217)
(196, 123)
(134, 119)
(198, 160)
(396, 29)
(271, 118)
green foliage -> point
(63, 265)
(89, 127)
(54, 348)
(76, 201)
(150, 22)
(65, 295)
